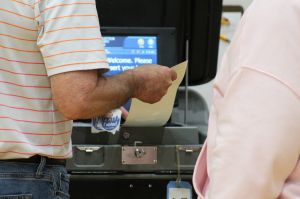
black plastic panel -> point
(194, 20)
(120, 187)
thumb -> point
(173, 74)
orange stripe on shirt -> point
(25, 74)
(39, 1)
(21, 142)
(76, 63)
(33, 122)
(68, 16)
(23, 97)
(71, 52)
(16, 26)
(13, 37)
(22, 62)
(20, 50)
(25, 4)
(28, 109)
(17, 14)
(71, 28)
(61, 5)
(35, 134)
(69, 40)
(24, 86)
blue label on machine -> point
(179, 190)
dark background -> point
(197, 21)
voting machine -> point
(140, 162)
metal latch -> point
(189, 149)
(88, 149)
(139, 154)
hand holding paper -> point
(157, 114)
(151, 82)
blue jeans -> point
(33, 181)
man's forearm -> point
(109, 93)
(84, 94)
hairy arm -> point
(85, 94)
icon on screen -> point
(141, 43)
(150, 43)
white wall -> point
(244, 3)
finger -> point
(124, 112)
(170, 83)
(173, 75)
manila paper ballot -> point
(157, 114)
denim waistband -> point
(37, 159)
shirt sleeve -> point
(69, 35)
(256, 146)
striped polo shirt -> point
(38, 39)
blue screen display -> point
(128, 52)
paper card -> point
(157, 114)
(179, 193)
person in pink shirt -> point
(253, 145)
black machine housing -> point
(98, 168)
(197, 22)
